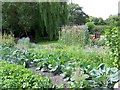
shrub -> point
(7, 39)
(91, 27)
(16, 76)
(100, 29)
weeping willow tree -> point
(40, 19)
(52, 16)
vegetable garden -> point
(66, 62)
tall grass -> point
(7, 39)
(75, 35)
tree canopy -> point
(76, 14)
(33, 18)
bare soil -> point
(56, 79)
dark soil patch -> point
(56, 79)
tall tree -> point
(40, 19)
(53, 16)
(76, 14)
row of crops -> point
(79, 68)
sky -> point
(99, 8)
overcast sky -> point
(99, 8)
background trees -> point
(35, 20)
(96, 21)
(53, 16)
(76, 14)
(112, 20)
(98, 25)
(43, 20)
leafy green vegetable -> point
(16, 76)
(104, 76)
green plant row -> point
(17, 56)
(16, 76)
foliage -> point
(16, 76)
(96, 29)
(100, 29)
(85, 58)
(112, 42)
(91, 27)
(97, 25)
(98, 42)
(79, 78)
(54, 61)
(67, 70)
(28, 17)
(76, 15)
(101, 77)
(101, 42)
(78, 67)
(34, 19)
(112, 20)
(53, 15)
(7, 39)
(76, 35)
(96, 21)
(63, 61)
(17, 56)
